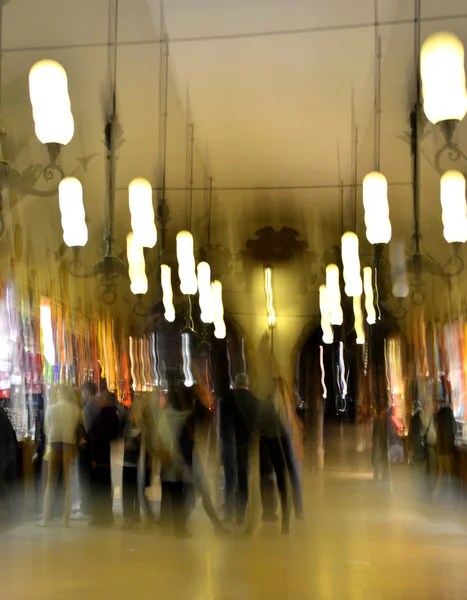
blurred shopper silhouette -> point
(380, 448)
(446, 434)
(131, 462)
(91, 408)
(8, 465)
(422, 448)
(62, 421)
(104, 429)
(238, 413)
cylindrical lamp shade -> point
(328, 335)
(351, 262)
(186, 263)
(369, 295)
(167, 293)
(453, 207)
(336, 316)
(219, 325)
(136, 265)
(205, 292)
(48, 91)
(358, 319)
(376, 207)
(443, 78)
(142, 212)
(400, 283)
(70, 198)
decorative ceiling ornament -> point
(271, 246)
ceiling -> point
(277, 92)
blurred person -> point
(445, 440)
(38, 457)
(103, 431)
(91, 403)
(62, 421)
(396, 443)
(8, 464)
(238, 414)
(145, 409)
(379, 447)
(131, 461)
(422, 449)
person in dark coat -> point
(238, 414)
(8, 464)
(445, 439)
(104, 429)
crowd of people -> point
(260, 445)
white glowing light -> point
(167, 293)
(323, 372)
(70, 199)
(351, 262)
(219, 325)
(136, 266)
(358, 319)
(269, 297)
(443, 78)
(376, 207)
(336, 316)
(454, 207)
(51, 107)
(186, 263)
(47, 331)
(343, 378)
(324, 307)
(186, 359)
(142, 212)
(205, 292)
(369, 296)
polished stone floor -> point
(359, 542)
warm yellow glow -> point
(369, 295)
(70, 198)
(443, 78)
(358, 319)
(167, 293)
(205, 292)
(47, 336)
(136, 266)
(186, 263)
(454, 207)
(142, 212)
(269, 297)
(219, 325)
(51, 108)
(336, 316)
(351, 262)
(376, 207)
(324, 307)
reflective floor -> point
(358, 541)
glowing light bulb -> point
(269, 297)
(376, 207)
(167, 293)
(324, 306)
(205, 292)
(136, 266)
(70, 198)
(336, 316)
(443, 78)
(369, 296)
(351, 262)
(186, 263)
(51, 108)
(219, 325)
(142, 212)
(358, 319)
(454, 207)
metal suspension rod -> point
(209, 211)
(414, 126)
(164, 95)
(377, 125)
(192, 145)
